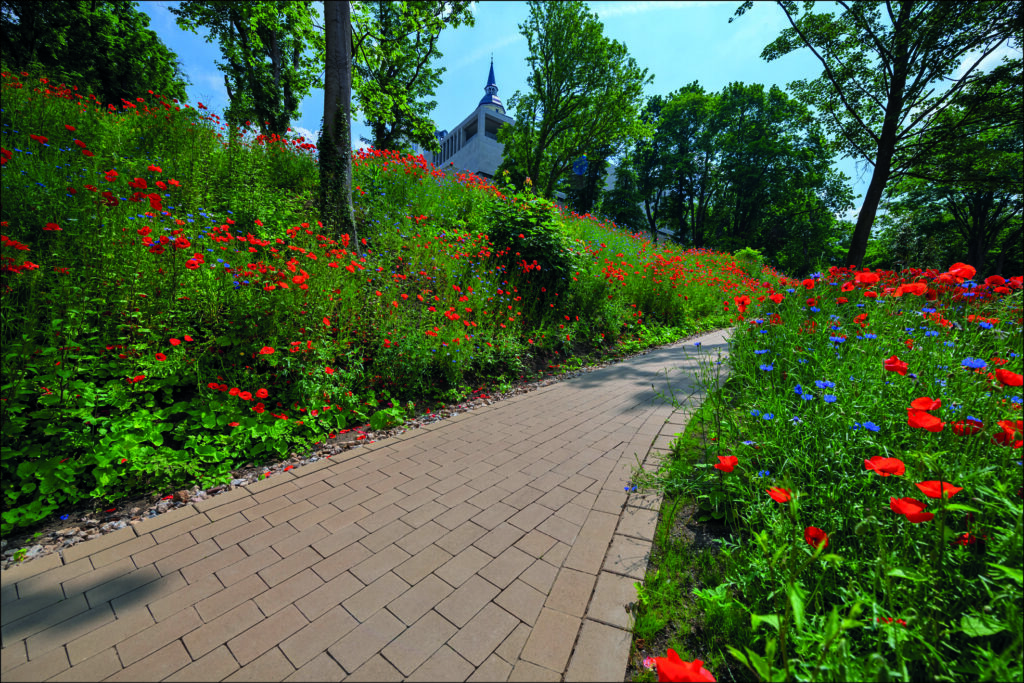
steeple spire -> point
(491, 100)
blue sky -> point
(677, 42)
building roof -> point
(491, 89)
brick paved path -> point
(497, 545)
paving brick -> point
(512, 645)
(110, 581)
(444, 665)
(299, 540)
(422, 537)
(421, 564)
(266, 634)
(266, 507)
(236, 535)
(67, 629)
(150, 640)
(333, 494)
(638, 523)
(378, 564)
(289, 566)
(38, 669)
(234, 573)
(541, 575)
(288, 512)
(226, 600)
(499, 539)
(571, 512)
(184, 526)
(104, 542)
(366, 639)
(37, 590)
(419, 599)
(506, 567)
(96, 668)
(209, 529)
(462, 566)
(155, 553)
(313, 517)
(419, 642)
(551, 640)
(522, 600)
(453, 491)
(601, 653)
(314, 638)
(344, 520)
(215, 666)
(183, 598)
(557, 554)
(308, 490)
(571, 592)
(222, 629)
(328, 596)
(525, 671)
(494, 668)
(461, 537)
(457, 515)
(530, 517)
(416, 497)
(592, 543)
(271, 666)
(287, 592)
(279, 480)
(211, 563)
(87, 645)
(13, 656)
(561, 529)
(367, 601)
(611, 596)
(535, 543)
(187, 557)
(376, 669)
(221, 499)
(241, 504)
(628, 556)
(320, 668)
(118, 551)
(156, 666)
(483, 634)
(341, 561)
(386, 535)
(467, 600)
(427, 512)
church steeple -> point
(490, 100)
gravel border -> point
(85, 524)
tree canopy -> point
(889, 70)
(585, 95)
(102, 48)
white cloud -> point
(301, 132)
(994, 59)
(475, 57)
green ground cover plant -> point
(172, 310)
(861, 470)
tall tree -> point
(585, 93)
(396, 44)
(622, 203)
(335, 143)
(883, 65)
(267, 70)
(102, 48)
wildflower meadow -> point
(172, 309)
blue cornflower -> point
(64, 517)
(768, 416)
(630, 489)
(798, 390)
(807, 397)
(697, 344)
(829, 398)
(758, 352)
(824, 384)
(767, 367)
(802, 360)
(931, 333)
(763, 473)
(985, 325)
(749, 443)
(973, 363)
(815, 309)
(871, 335)
(872, 427)
(837, 340)
(755, 413)
(796, 420)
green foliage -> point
(395, 45)
(121, 59)
(750, 260)
(584, 98)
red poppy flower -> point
(55, 227)
(967, 427)
(779, 495)
(42, 140)
(815, 537)
(329, 371)
(866, 278)
(962, 270)
(726, 463)
(188, 338)
(234, 391)
(192, 264)
(894, 364)
(232, 424)
(155, 169)
(938, 489)
(1009, 433)
(1010, 379)
(266, 350)
(919, 419)
(885, 467)
(160, 357)
(259, 408)
(926, 403)
(175, 342)
(672, 668)
(262, 393)
(245, 395)
(911, 509)
(71, 129)
(777, 298)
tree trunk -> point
(335, 144)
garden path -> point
(497, 545)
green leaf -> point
(977, 625)
(797, 598)
(909, 574)
(1014, 573)
(757, 619)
